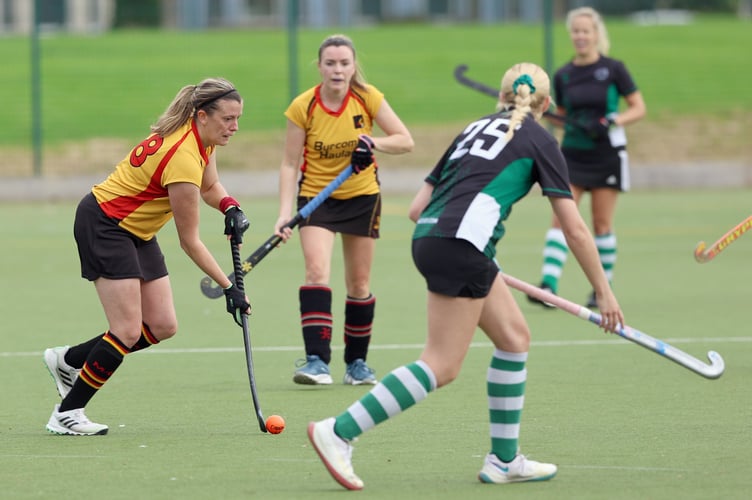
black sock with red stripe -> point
(147, 339)
(103, 360)
(77, 354)
(358, 322)
(316, 321)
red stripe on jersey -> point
(122, 206)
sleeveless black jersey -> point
(481, 176)
(589, 93)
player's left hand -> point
(600, 127)
(362, 155)
(237, 303)
(236, 224)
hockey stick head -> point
(700, 255)
(703, 255)
(459, 75)
(209, 289)
(716, 368)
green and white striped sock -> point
(506, 396)
(606, 244)
(555, 253)
(395, 393)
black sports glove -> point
(362, 155)
(236, 303)
(235, 224)
(599, 127)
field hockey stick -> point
(246, 335)
(712, 371)
(214, 292)
(459, 75)
(703, 255)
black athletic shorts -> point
(608, 168)
(454, 267)
(359, 216)
(108, 251)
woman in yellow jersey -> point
(329, 127)
(163, 177)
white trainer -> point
(63, 374)
(335, 452)
(518, 470)
(74, 423)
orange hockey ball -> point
(275, 424)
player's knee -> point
(164, 330)
(446, 376)
(444, 372)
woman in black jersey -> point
(459, 214)
(587, 91)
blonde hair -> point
(338, 40)
(524, 89)
(190, 99)
(600, 28)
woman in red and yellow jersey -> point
(164, 177)
(329, 127)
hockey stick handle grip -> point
(712, 371)
(317, 200)
(238, 274)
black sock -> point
(147, 339)
(316, 321)
(358, 321)
(104, 359)
(77, 354)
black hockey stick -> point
(246, 335)
(214, 292)
(459, 75)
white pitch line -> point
(615, 467)
(392, 347)
(630, 468)
(56, 457)
(625, 467)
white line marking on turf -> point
(616, 467)
(624, 467)
(390, 347)
(56, 457)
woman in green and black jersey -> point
(587, 91)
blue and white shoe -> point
(358, 373)
(312, 371)
(518, 470)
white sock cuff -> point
(518, 357)
(556, 234)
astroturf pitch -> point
(621, 421)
